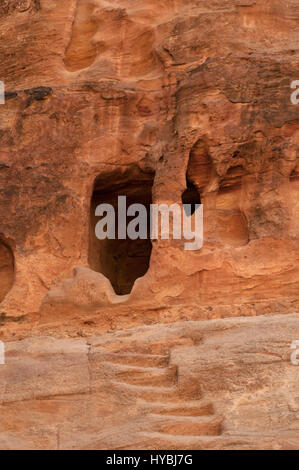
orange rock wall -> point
(175, 89)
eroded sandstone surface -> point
(216, 384)
(166, 102)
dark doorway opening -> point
(122, 261)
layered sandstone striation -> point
(164, 102)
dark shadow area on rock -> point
(122, 261)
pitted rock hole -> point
(294, 177)
(200, 167)
(191, 196)
(198, 175)
(232, 223)
(6, 270)
(121, 261)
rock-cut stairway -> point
(171, 420)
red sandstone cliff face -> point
(160, 101)
(115, 94)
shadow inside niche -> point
(198, 175)
(122, 261)
(191, 196)
(6, 269)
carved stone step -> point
(192, 408)
(150, 394)
(186, 425)
(142, 360)
(159, 440)
(147, 376)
